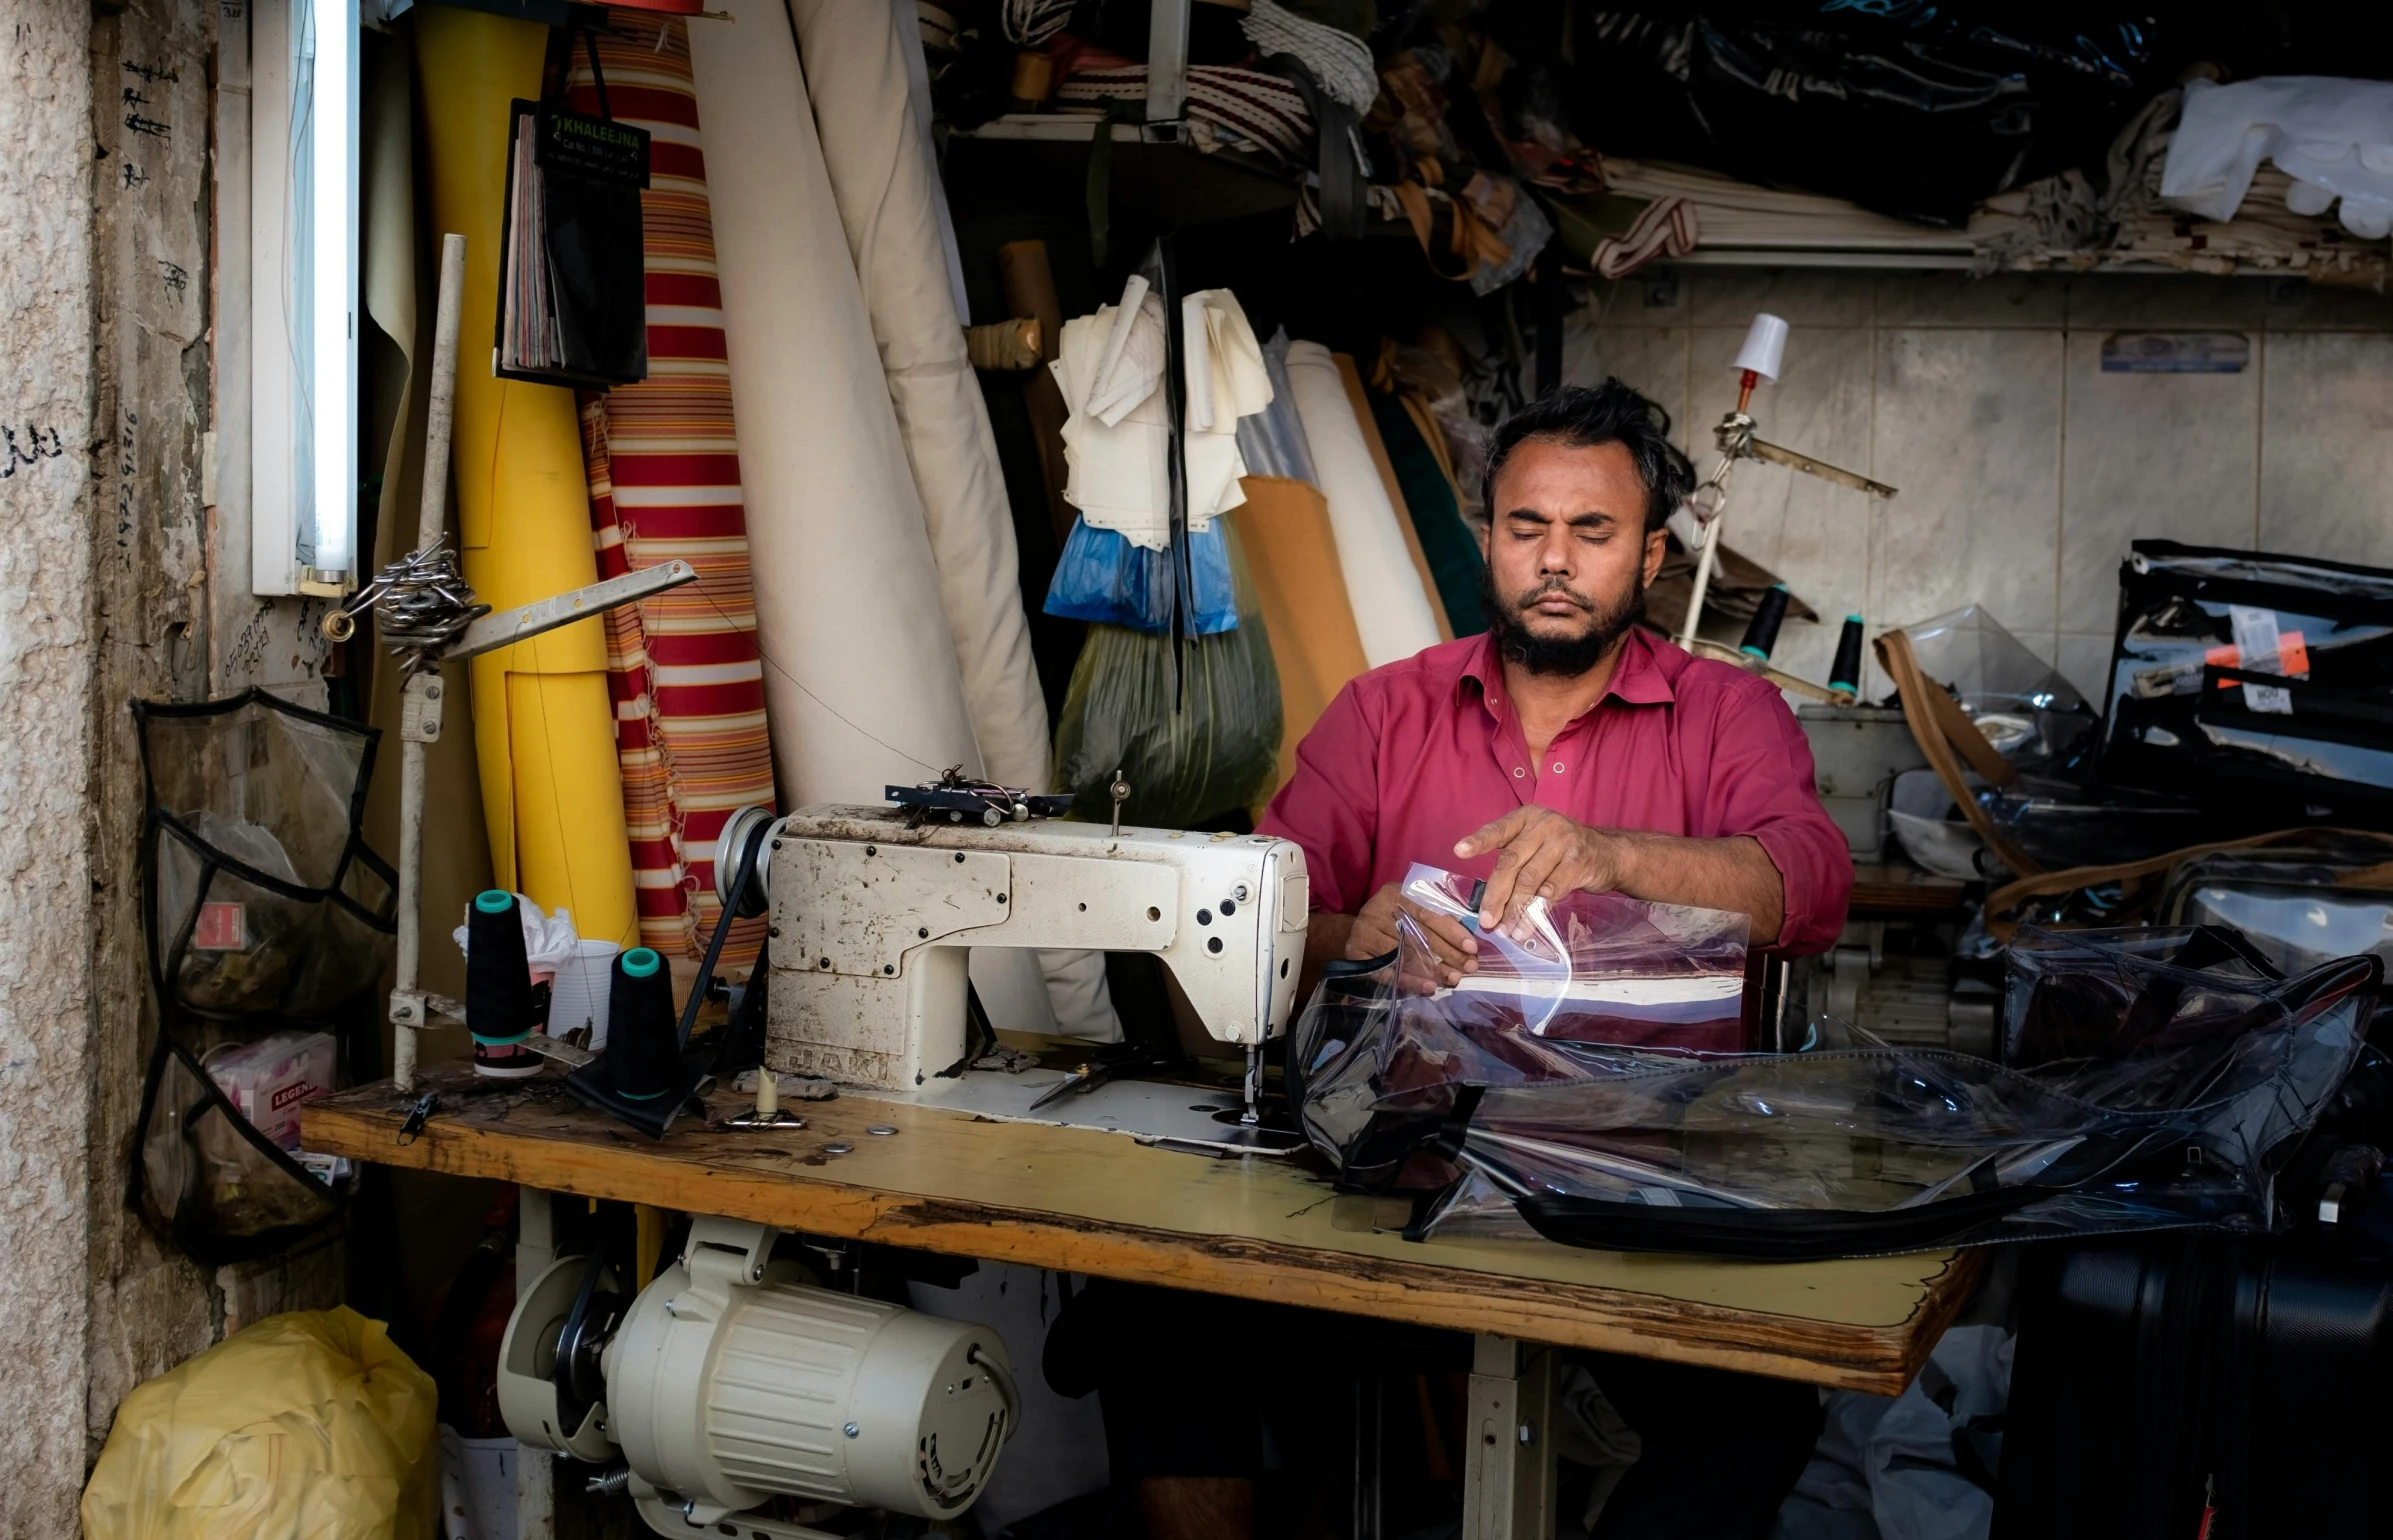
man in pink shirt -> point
(1566, 748)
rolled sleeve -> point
(1330, 805)
(1762, 786)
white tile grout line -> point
(2259, 426)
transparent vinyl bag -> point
(261, 896)
(2151, 1079)
(263, 911)
(1192, 723)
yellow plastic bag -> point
(307, 1426)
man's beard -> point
(1565, 656)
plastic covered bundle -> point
(2256, 677)
(2151, 1079)
(310, 1423)
(1192, 723)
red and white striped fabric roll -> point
(664, 470)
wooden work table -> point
(1081, 1201)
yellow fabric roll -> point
(544, 729)
(1292, 554)
(1353, 379)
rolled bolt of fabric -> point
(1761, 632)
(1845, 674)
(643, 1057)
(1391, 606)
(1004, 345)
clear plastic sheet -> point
(2030, 714)
(2299, 906)
(2150, 1079)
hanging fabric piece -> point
(1435, 508)
(1360, 400)
(456, 844)
(1390, 603)
(860, 669)
(1117, 441)
(887, 188)
(543, 726)
(1273, 440)
(1293, 557)
(664, 469)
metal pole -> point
(420, 706)
(1703, 578)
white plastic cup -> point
(579, 996)
(1765, 347)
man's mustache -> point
(1555, 590)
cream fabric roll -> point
(861, 679)
(1391, 608)
(887, 189)
(892, 209)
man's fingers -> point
(1495, 835)
(1505, 879)
(1530, 882)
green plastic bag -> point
(1193, 725)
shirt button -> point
(1557, 767)
(1518, 772)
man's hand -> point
(1374, 934)
(1545, 855)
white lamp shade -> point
(1765, 347)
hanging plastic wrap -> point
(2150, 1079)
(2266, 680)
(1192, 723)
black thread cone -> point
(1761, 633)
(643, 1057)
(1846, 675)
(498, 975)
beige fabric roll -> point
(861, 691)
(888, 195)
(860, 672)
(1391, 607)
(1369, 426)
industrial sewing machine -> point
(875, 909)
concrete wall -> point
(45, 703)
(2024, 468)
(109, 558)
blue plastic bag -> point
(1102, 577)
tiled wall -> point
(2024, 469)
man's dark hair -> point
(1584, 417)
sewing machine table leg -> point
(1508, 1460)
(535, 1469)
